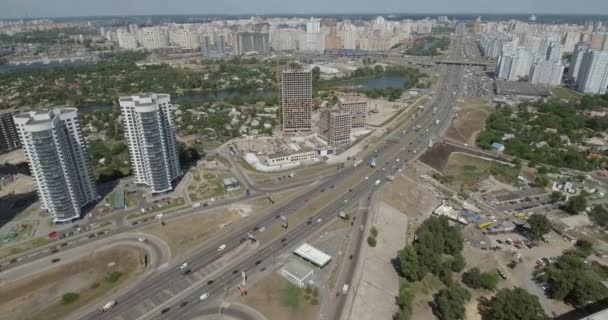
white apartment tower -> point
(547, 72)
(296, 100)
(577, 58)
(150, 135)
(57, 155)
(593, 73)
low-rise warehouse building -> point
(312, 255)
(297, 273)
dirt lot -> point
(437, 157)
(39, 296)
(277, 299)
(408, 195)
(207, 180)
(471, 119)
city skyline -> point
(11, 9)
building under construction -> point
(335, 126)
(357, 107)
(296, 100)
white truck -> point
(357, 163)
(196, 205)
(345, 289)
(107, 306)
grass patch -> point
(113, 276)
(565, 93)
(290, 296)
(464, 172)
(34, 243)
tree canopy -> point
(599, 215)
(573, 280)
(513, 304)
(475, 279)
(539, 225)
(435, 238)
(449, 303)
(576, 204)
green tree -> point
(374, 231)
(410, 267)
(556, 196)
(69, 297)
(599, 215)
(541, 180)
(458, 263)
(371, 241)
(449, 303)
(576, 204)
(539, 225)
(513, 304)
(475, 279)
(573, 281)
(404, 301)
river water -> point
(381, 82)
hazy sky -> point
(61, 8)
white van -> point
(204, 296)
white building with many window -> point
(593, 72)
(150, 135)
(57, 155)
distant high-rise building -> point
(570, 41)
(357, 107)
(554, 53)
(57, 155)
(150, 135)
(154, 38)
(205, 45)
(335, 126)
(593, 73)
(577, 58)
(252, 42)
(9, 137)
(220, 44)
(296, 100)
(126, 40)
(547, 72)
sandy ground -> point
(376, 283)
(266, 297)
(471, 119)
(21, 184)
(39, 296)
(386, 110)
(405, 203)
(13, 157)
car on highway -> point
(222, 247)
(55, 260)
(204, 296)
(165, 310)
(183, 266)
(183, 304)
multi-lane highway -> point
(178, 295)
